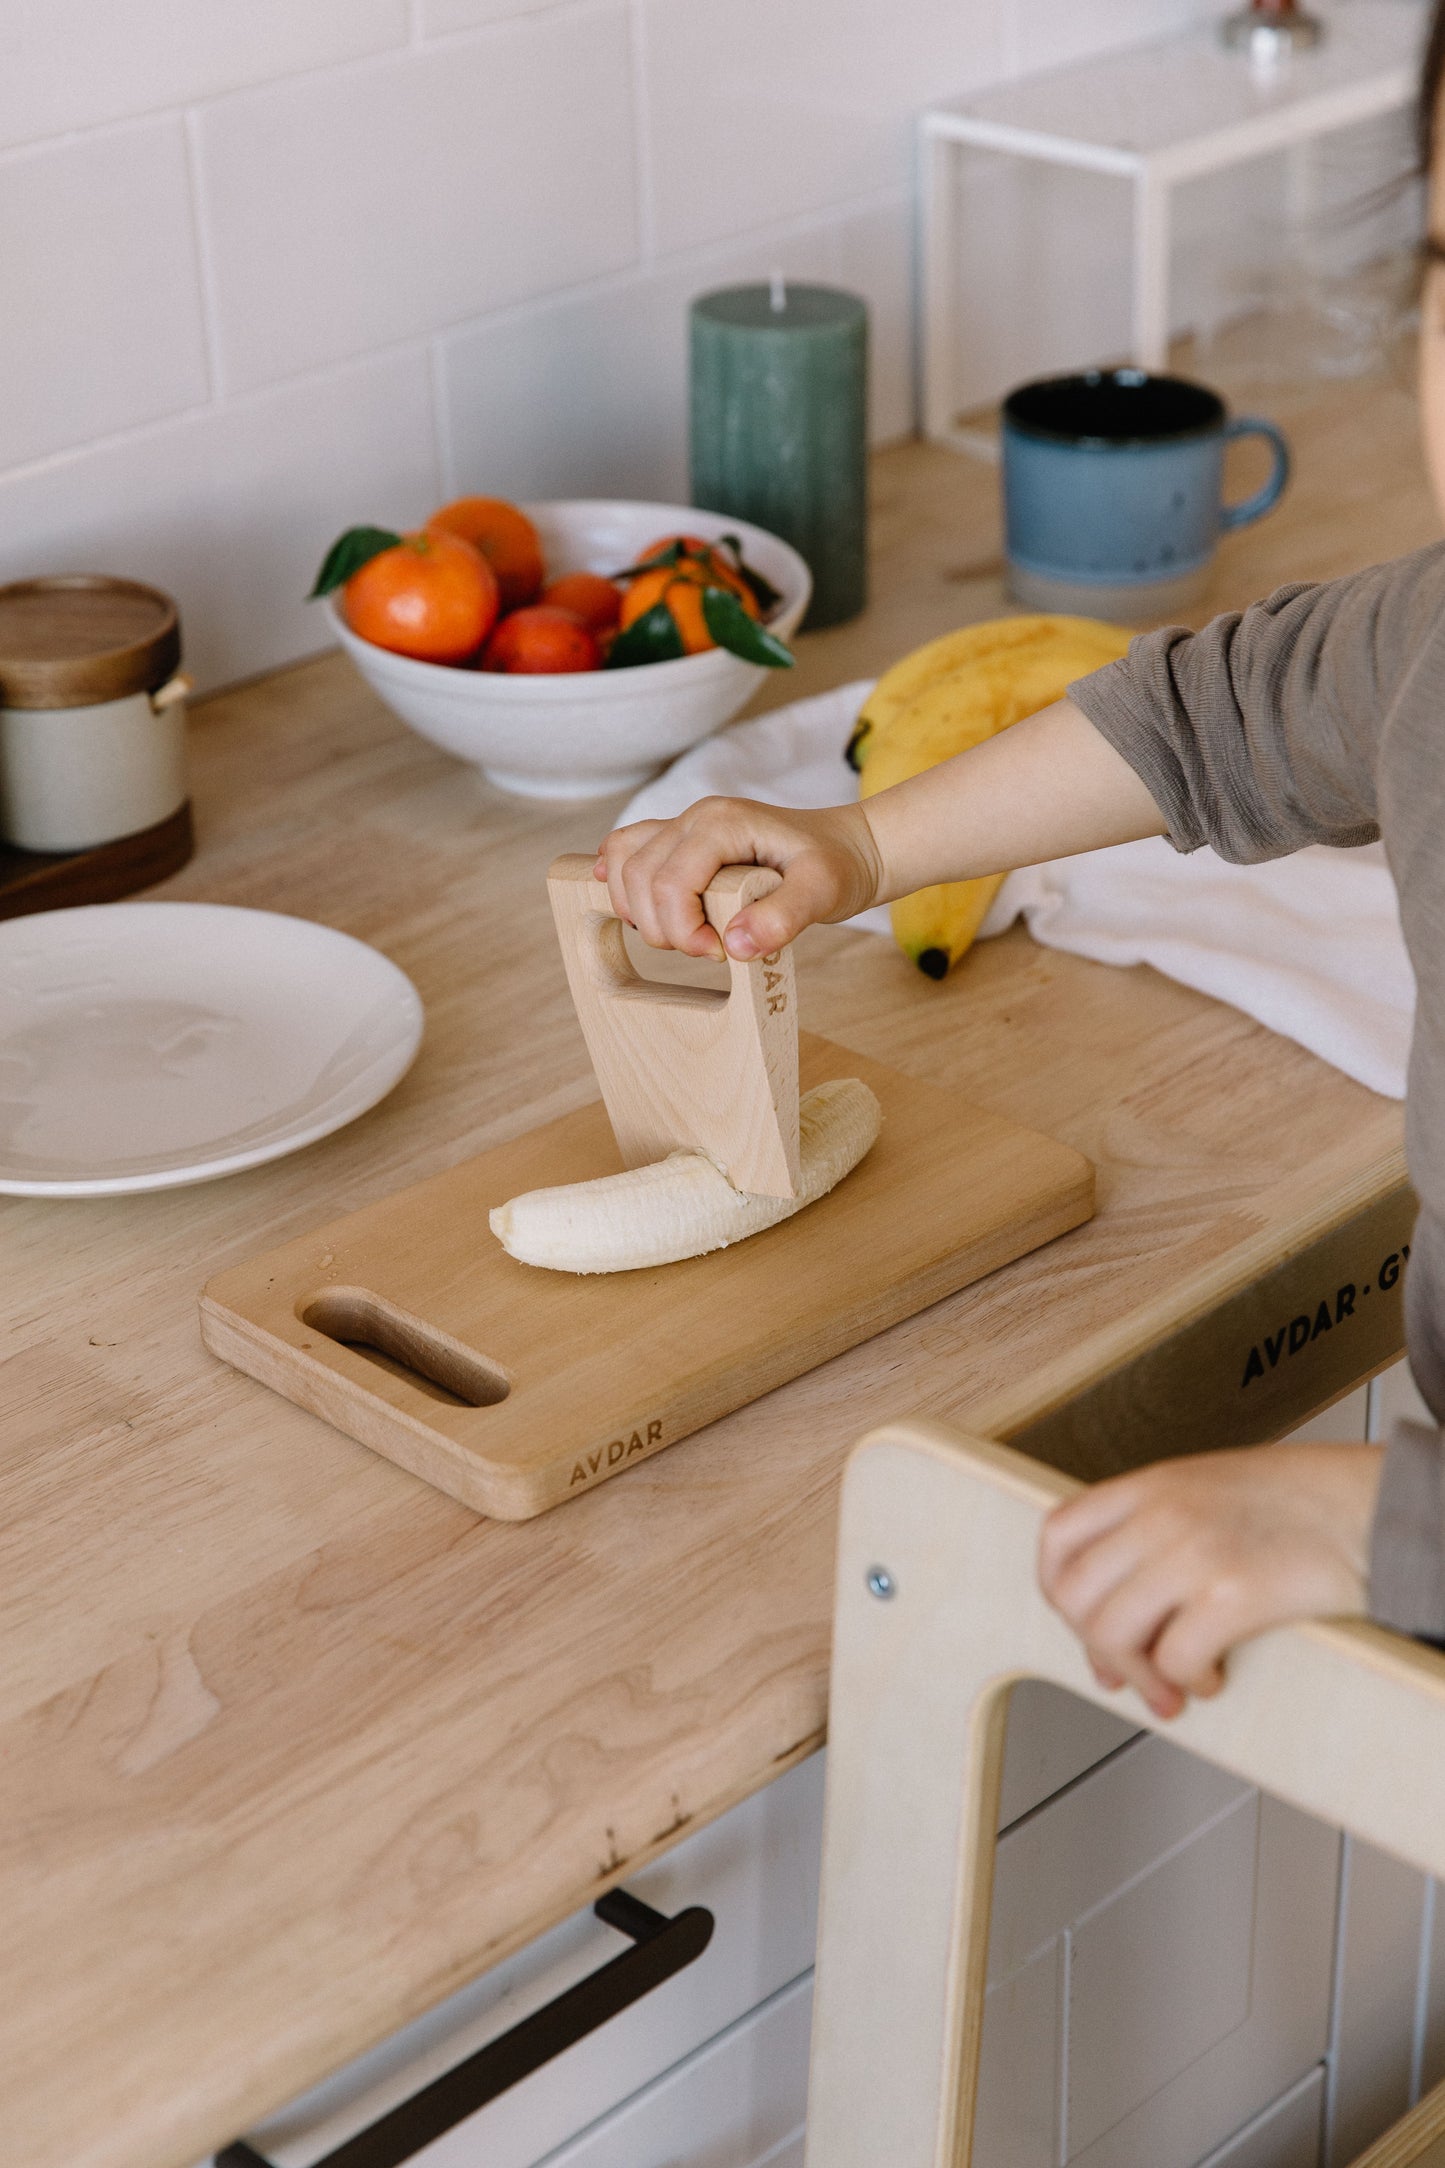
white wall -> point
(268, 267)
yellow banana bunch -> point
(945, 697)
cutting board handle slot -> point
(438, 1365)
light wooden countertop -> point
(291, 1745)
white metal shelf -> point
(1154, 116)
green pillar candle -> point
(779, 426)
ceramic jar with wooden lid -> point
(92, 711)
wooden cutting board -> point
(512, 1388)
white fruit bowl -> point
(589, 733)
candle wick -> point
(777, 293)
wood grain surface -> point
(290, 1744)
(1417, 2140)
(79, 637)
(554, 1383)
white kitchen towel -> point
(1308, 945)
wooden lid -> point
(82, 637)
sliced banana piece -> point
(684, 1205)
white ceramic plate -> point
(145, 1045)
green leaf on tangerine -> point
(653, 637)
(732, 628)
(765, 595)
(348, 553)
(672, 555)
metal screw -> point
(881, 1583)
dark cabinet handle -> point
(661, 1947)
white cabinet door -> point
(1389, 2021)
(737, 2103)
(1159, 1966)
(1377, 1994)
(1159, 1973)
(756, 1870)
(1053, 1738)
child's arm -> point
(1047, 788)
(1160, 1572)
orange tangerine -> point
(431, 596)
(506, 538)
(541, 640)
(680, 587)
(587, 595)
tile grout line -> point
(540, 11)
(199, 410)
(643, 145)
(599, 288)
(443, 436)
(339, 64)
(205, 272)
(417, 39)
(1330, 2118)
(1065, 1994)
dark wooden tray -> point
(50, 880)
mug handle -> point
(1265, 499)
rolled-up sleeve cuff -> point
(1407, 1539)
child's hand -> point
(1162, 1572)
(656, 872)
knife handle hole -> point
(624, 968)
(669, 967)
(407, 1347)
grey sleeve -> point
(1407, 1541)
(1258, 735)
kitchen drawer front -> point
(756, 1871)
(1159, 1966)
(739, 2102)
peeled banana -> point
(943, 699)
(684, 1205)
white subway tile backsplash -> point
(1051, 33)
(440, 16)
(875, 259)
(588, 397)
(393, 248)
(100, 315)
(232, 510)
(759, 113)
(67, 64)
(343, 211)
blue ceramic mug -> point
(1113, 491)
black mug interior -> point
(1113, 406)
